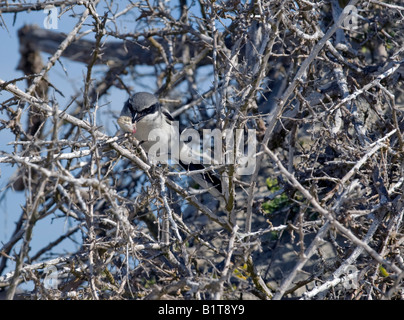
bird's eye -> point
(140, 114)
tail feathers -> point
(211, 180)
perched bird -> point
(144, 117)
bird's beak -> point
(134, 117)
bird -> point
(141, 115)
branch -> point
(328, 215)
(21, 95)
(375, 147)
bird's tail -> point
(205, 179)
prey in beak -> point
(126, 124)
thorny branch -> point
(320, 85)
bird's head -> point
(137, 107)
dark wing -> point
(167, 114)
(209, 177)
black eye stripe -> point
(136, 116)
(130, 106)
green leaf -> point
(383, 271)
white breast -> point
(153, 128)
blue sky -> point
(11, 202)
(50, 228)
